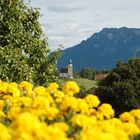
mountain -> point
(103, 49)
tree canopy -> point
(88, 73)
(121, 87)
(24, 52)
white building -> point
(68, 71)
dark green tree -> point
(24, 53)
(88, 73)
(121, 88)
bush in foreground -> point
(121, 88)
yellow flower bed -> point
(48, 113)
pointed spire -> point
(70, 61)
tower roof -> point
(64, 70)
(70, 61)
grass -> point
(85, 83)
(86, 86)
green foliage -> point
(135, 137)
(121, 87)
(23, 46)
(87, 73)
(86, 86)
(102, 71)
(77, 75)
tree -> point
(121, 87)
(87, 73)
(24, 52)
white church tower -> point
(70, 69)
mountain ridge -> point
(103, 49)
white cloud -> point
(63, 8)
(69, 22)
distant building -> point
(68, 71)
(99, 77)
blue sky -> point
(68, 22)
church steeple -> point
(70, 61)
(70, 69)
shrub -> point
(23, 46)
(121, 87)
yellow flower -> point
(83, 120)
(130, 128)
(115, 121)
(69, 103)
(28, 109)
(138, 124)
(13, 89)
(7, 97)
(63, 126)
(59, 95)
(135, 113)
(40, 103)
(92, 120)
(2, 115)
(120, 134)
(94, 112)
(80, 120)
(40, 113)
(55, 133)
(3, 87)
(1, 104)
(25, 101)
(26, 86)
(26, 124)
(92, 100)
(103, 130)
(25, 136)
(90, 134)
(70, 88)
(99, 115)
(127, 117)
(13, 101)
(91, 112)
(40, 90)
(52, 112)
(82, 106)
(106, 110)
(4, 134)
(52, 87)
(13, 113)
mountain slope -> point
(102, 50)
